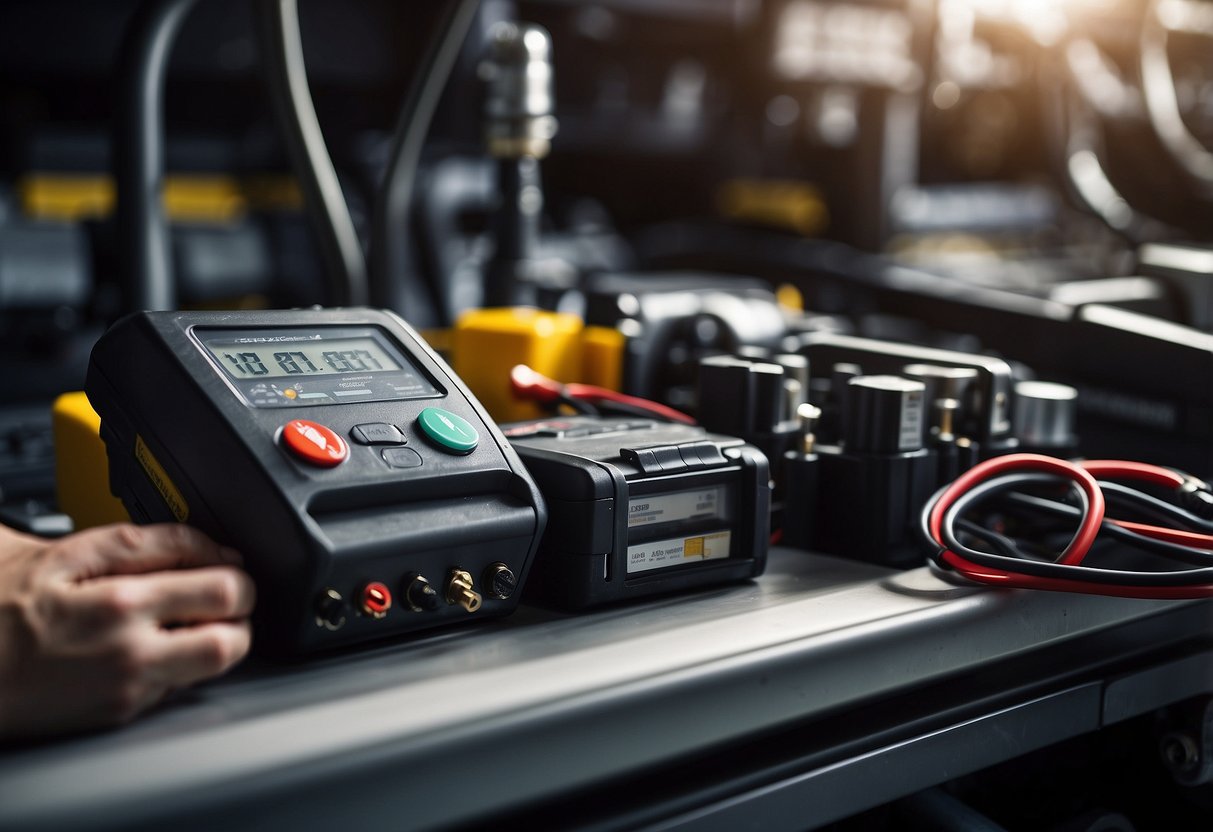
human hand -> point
(99, 626)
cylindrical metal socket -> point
(375, 600)
(943, 382)
(459, 590)
(885, 415)
(794, 366)
(796, 381)
(1045, 413)
(499, 581)
(807, 414)
(518, 104)
(945, 424)
(420, 595)
(330, 610)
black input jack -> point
(420, 595)
(499, 581)
(330, 610)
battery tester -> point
(640, 507)
(369, 491)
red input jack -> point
(376, 599)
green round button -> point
(448, 430)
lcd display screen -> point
(297, 367)
(345, 355)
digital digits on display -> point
(359, 355)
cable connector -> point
(529, 385)
(1196, 496)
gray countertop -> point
(475, 720)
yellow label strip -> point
(155, 472)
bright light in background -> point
(969, 59)
(845, 43)
(965, 60)
(1047, 21)
(1186, 16)
(1099, 81)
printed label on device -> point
(670, 508)
(659, 554)
(156, 473)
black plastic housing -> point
(989, 421)
(304, 530)
(868, 504)
(590, 471)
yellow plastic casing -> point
(602, 352)
(81, 466)
(488, 343)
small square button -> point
(377, 433)
(402, 458)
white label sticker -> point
(659, 554)
(670, 508)
(910, 436)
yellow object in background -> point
(81, 467)
(66, 197)
(439, 340)
(488, 343)
(776, 203)
(602, 351)
(202, 197)
(789, 297)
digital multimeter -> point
(639, 508)
(369, 492)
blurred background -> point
(1027, 179)
(987, 175)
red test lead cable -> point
(1087, 531)
(529, 384)
(1068, 574)
(1154, 475)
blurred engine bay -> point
(1017, 179)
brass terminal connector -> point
(459, 590)
(948, 408)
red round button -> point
(314, 443)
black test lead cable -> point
(344, 260)
(1067, 573)
(394, 282)
(144, 245)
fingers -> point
(126, 549)
(213, 593)
(101, 625)
(139, 662)
(151, 663)
(190, 654)
(208, 594)
(111, 674)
